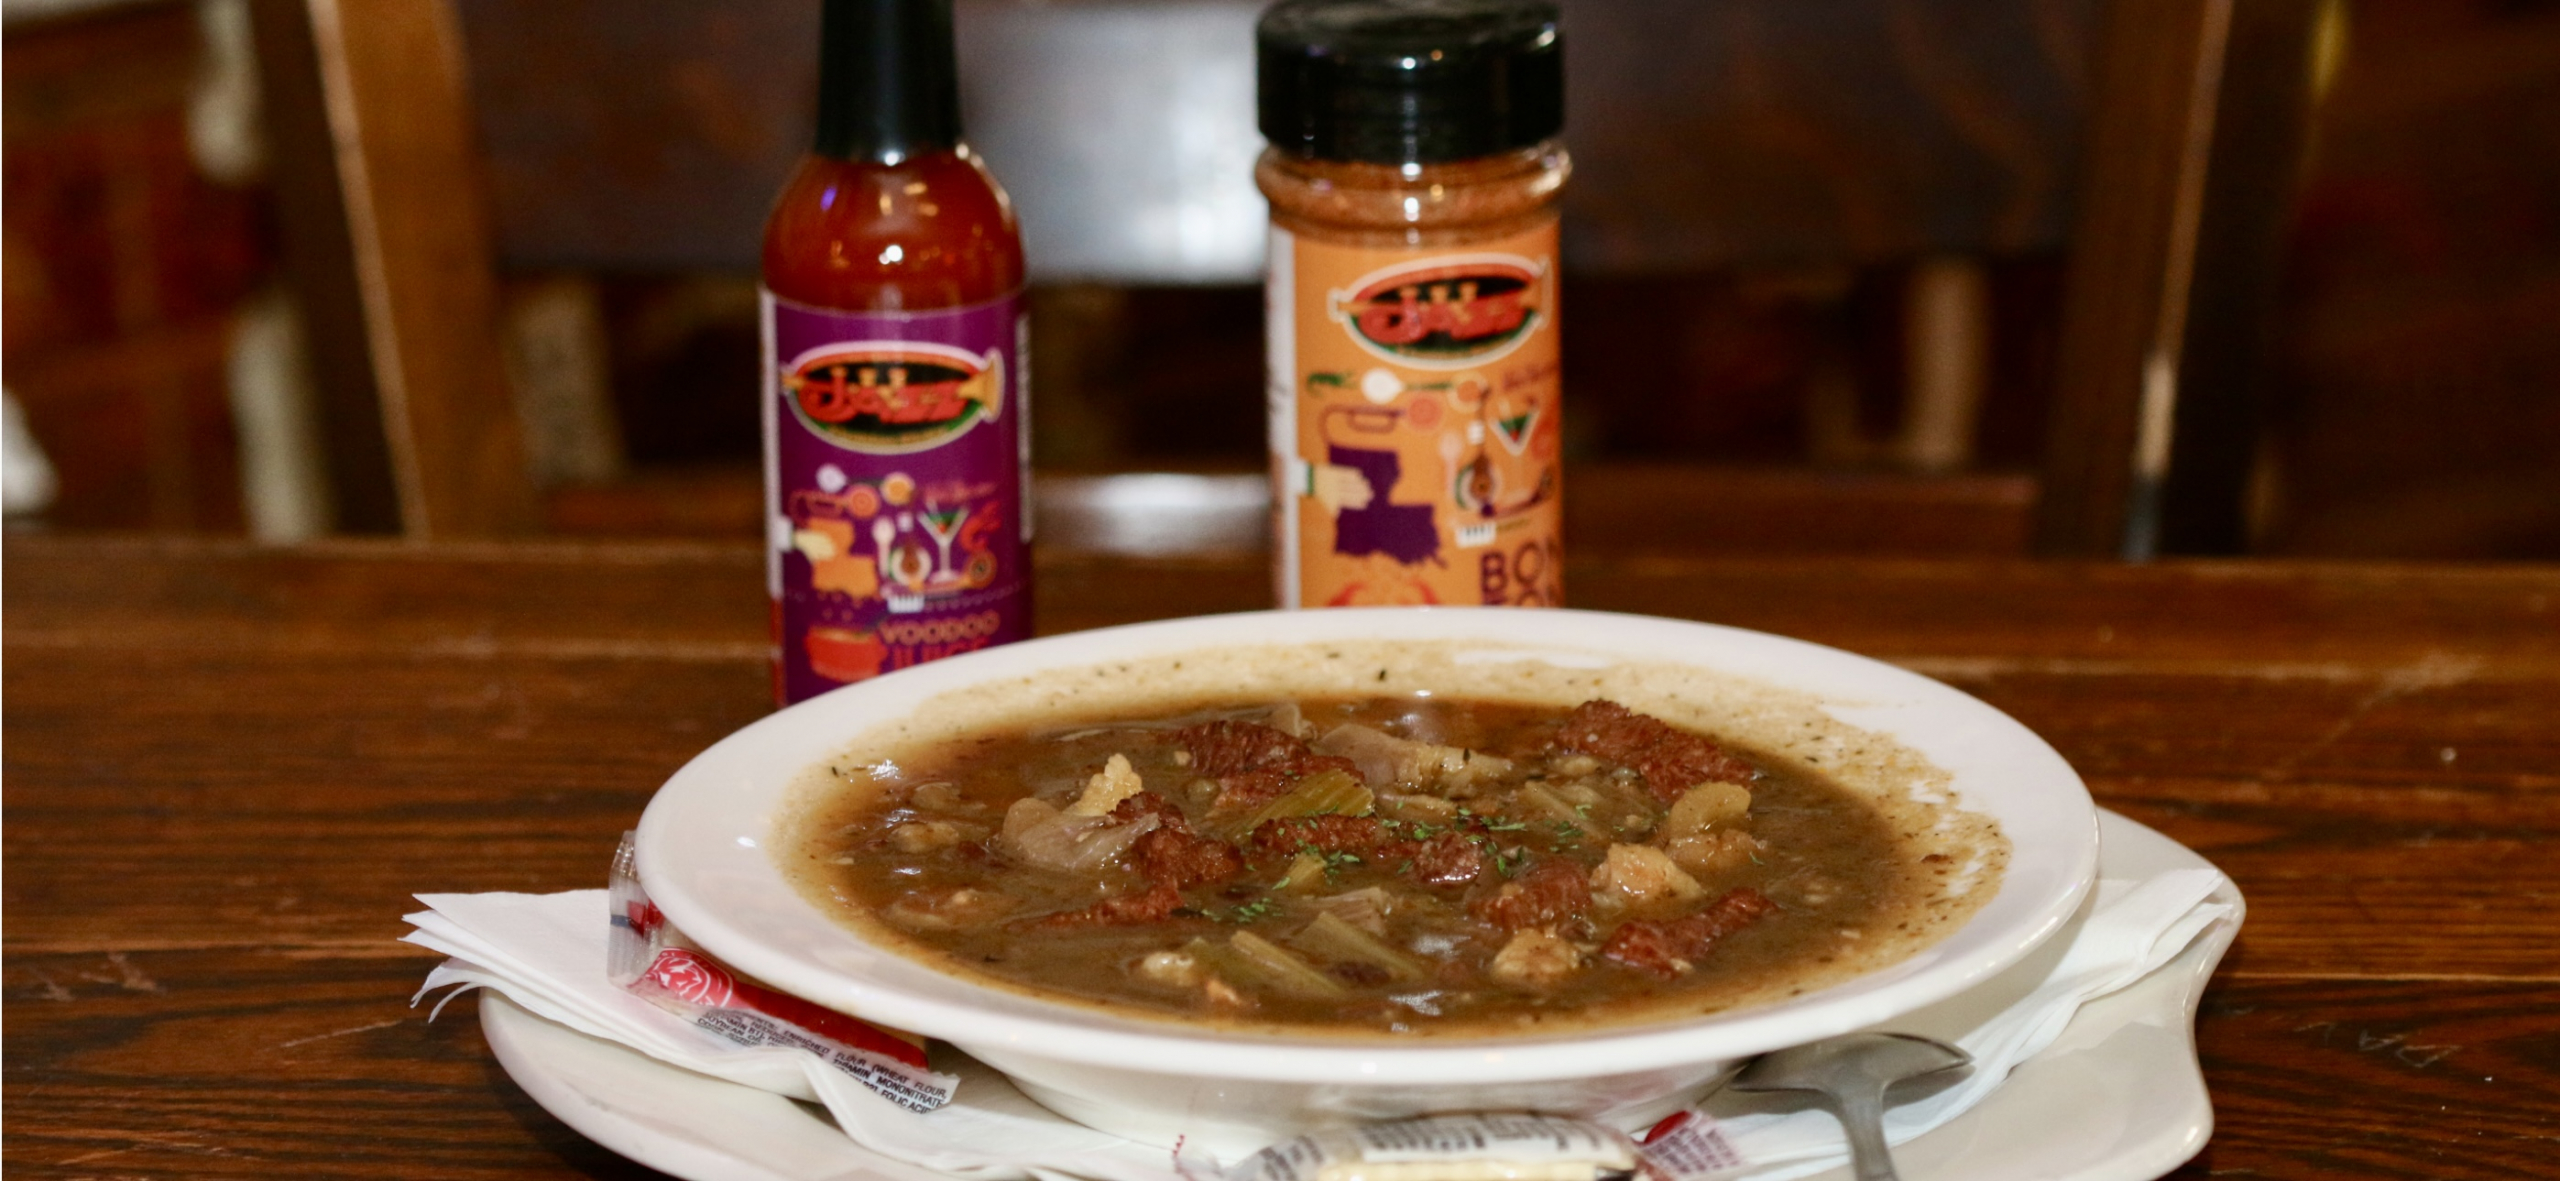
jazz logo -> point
(1445, 312)
(893, 397)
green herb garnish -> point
(1335, 860)
(1259, 908)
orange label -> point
(1415, 433)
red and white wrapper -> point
(650, 957)
(543, 950)
(1689, 1146)
(1499, 1146)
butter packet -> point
(648, 956)
(1498, 1147)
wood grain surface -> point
(227, 767)
(397, 194)
(1751, 131)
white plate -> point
(705, 849)
(2118, 1097)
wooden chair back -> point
(2156, 140)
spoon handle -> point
(1862, 1115)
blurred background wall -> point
(1794, 221)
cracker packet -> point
(648, 956)
(1498, 1146)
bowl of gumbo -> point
(1237, 877)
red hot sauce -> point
(895, 390)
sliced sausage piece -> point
(1447, 860)
(1244, 791)
(1151, 905)
(1364, 836)
(1226, 746)
(1648, 946)
(1669, 949)
(1174, 853)
(1182, 859)
(1552, 892)
(1252, 762)
(1314, 763)
(1671, 760)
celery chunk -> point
(1325, 793)
(1254, 963)
(1330, 938)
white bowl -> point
(703, 853)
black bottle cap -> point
(1409, 81)
(888, 80)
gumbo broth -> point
(1375, 865)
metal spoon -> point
(1852, 1074)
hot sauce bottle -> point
(894, 383)
(1413, 171)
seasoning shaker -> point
(1413, 171)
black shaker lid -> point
(1409, 81)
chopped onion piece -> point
(1038, 834)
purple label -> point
(895, 451)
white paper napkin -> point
(2127, 931)
(546, 952)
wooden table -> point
(228, 767)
